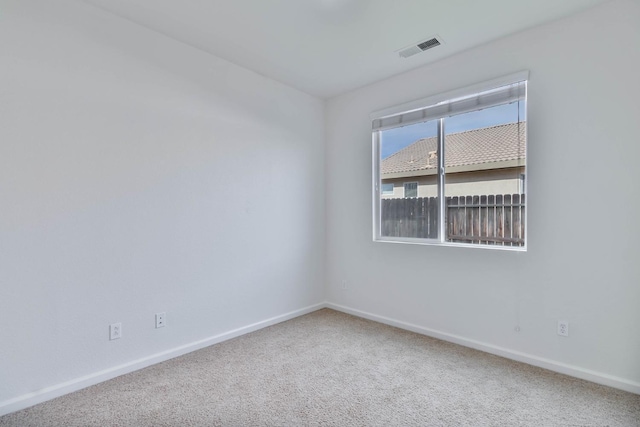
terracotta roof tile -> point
(492, 144)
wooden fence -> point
(490, 219)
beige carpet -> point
(332, 369)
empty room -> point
(319, 212)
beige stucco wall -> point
(494, 181)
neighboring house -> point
(481, 161)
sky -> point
(396, 139)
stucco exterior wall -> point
(495, 181)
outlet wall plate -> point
(563, 328)
(115, 331)
(161, 320)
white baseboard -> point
(552, 365)
(48, 393)
(58, 390)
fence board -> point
(483, 218)
(522, 217)
(452, 224)
(491, 216)
(486, 219)
(499, 216)
(517, 212)
(433, 217)
(475, 215)
(507, 217)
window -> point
(466, 151)
(387, 189)
(410, 189)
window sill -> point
(430, 242)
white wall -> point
(139, 175)
(582, 259)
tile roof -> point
(493, 144)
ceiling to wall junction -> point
(328, 47)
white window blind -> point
(477, 101)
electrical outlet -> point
(161, 319)
(115, 331)
(563, 328)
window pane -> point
(387, 189)
(410, 189)
(409, 164)
(485, 161)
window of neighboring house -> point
(468, 150)
(387, 189)
(410, 189)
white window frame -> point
(413, 108)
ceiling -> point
(328, 47)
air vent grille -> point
(420, 47)
(429, 44)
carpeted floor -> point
(329, 368)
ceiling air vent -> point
(420, 47)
